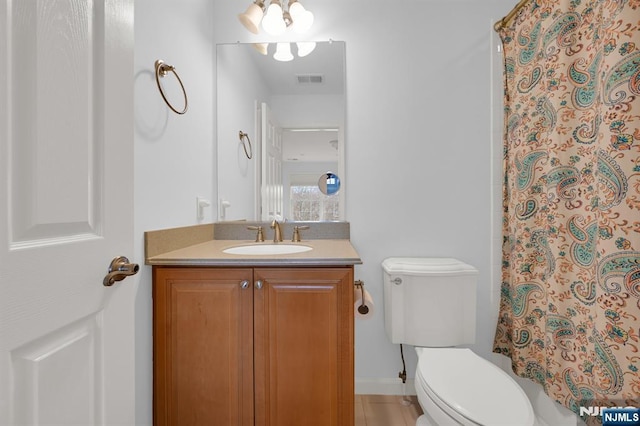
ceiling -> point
(318, 145)
(282, 77)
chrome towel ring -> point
(161, 70)
(244, 139)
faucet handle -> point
(260, 233)
(296, 232)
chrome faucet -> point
(277, 233)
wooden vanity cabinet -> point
(253, 346)
(202, 346)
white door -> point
(66, 209)
(272, 196)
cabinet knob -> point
(259, 284)
(244, 284)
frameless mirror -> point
(293, 115)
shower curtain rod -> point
(507, 19)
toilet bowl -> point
(455, 386)
(430, 303)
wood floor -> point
(387, 410)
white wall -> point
(173, 154)
(240, 87)
(418, 142)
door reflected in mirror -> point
(294, 113)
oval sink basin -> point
(267, 249)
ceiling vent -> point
(310, 78)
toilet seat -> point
(471, 389)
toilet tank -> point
(429, 302)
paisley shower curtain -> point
(570, 301)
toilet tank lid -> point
(427, 266)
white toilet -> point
(430, 303)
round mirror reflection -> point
(329, 183)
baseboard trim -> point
(384, 387)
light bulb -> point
(273, 23)
(302, 18)
(283, 52)
(305, 47)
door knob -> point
(119, 269)
(244, 284)
(259, 284)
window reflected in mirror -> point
(309, 203)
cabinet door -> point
(303, 324)
(203, 346)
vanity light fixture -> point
(276, 19)
(252, 16)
